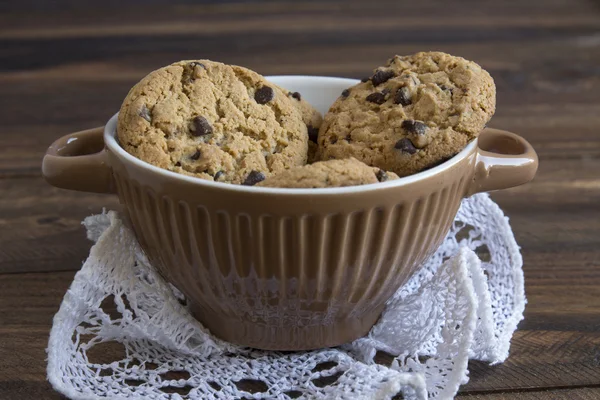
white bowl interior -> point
(319, 91)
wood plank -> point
(543, 359)
(25, 322)
(535, 65)
(539, 358)
(165, 20)
(26, 390)
(215, 30)
(40, 226)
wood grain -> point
(28, 301)
(67, 65)
(40, 226)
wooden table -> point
(65, 67)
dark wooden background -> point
(67, 65)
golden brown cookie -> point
(313, 120)
(332, 173)
(414, 113)
(313, 152)
(213, 121)
(311, 117)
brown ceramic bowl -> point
(287, 269)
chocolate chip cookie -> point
(213, 121)
(411, 114)
(313, 120)
(332, 173)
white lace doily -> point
(460, 306)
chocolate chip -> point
(145, 113)
(253, 178)
(218, 175)
(365, 79)
(376, 97)
(381, 175)
(178, 164)
(348, 138)
(414, 127)
(346, 93)
(200, 126)
(194, 64)
(196, 155)
(264, 95)
(445, 88)
(382, 76)
(406, 146)
(402, 97)
(313, 133)
(296, 95)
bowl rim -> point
(112, 144)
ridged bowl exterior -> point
(289, 271)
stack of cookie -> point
(229, 124)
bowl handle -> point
(504, 160)
(78, 161)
